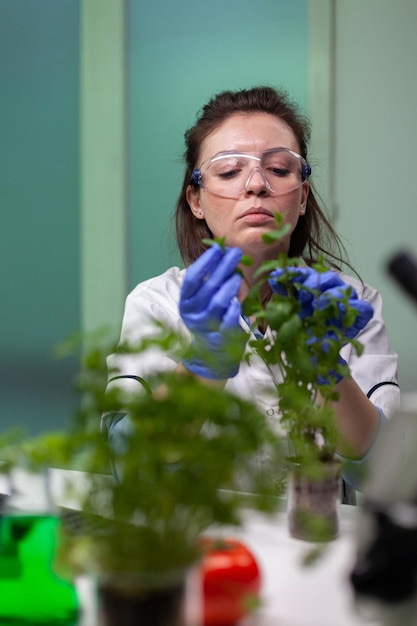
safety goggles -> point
(229, 174)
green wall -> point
(179, 55)
(95, 96)
(374, 153)
(39, 234)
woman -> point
(246, 161)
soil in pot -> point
(148, 607)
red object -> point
(231, 581)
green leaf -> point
(289, 329)
(221, 241)
(278, 311)
(246, 260)
(357, 346)
(276, 235)
(266, 268)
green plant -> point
(304, 349)
(302, 334)
(190, 449)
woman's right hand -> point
(210, 309)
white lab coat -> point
(156, 301)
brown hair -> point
(313, 236)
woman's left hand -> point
(315, 291)
(318, 288)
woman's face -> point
(242, 221)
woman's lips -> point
(257, 215)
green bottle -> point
(31, 591)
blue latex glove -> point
(210, 309)
(330, 285)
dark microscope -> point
(384, 575)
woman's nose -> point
(257, 183)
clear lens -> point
(229, 174)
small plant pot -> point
(313, 501)
(134, 606)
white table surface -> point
(293, 594)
